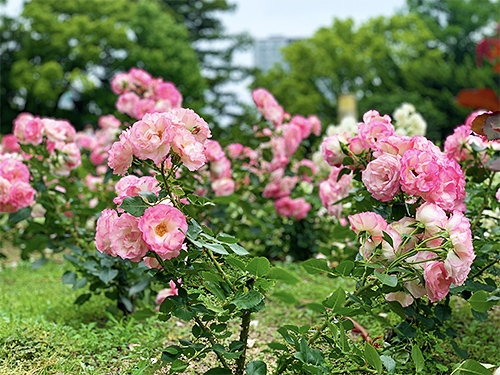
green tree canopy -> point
(59, 57)
(384, 62)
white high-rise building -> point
(267, 52)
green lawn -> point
(43, 332)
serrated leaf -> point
(373, 358)
(216, 248)
(237, 248)
(479, 301)
(336, 300)
(314, 266)
(418, 358)
(20, 215)
(135, 206)
(248, 300)
(149, 196)
(226, 238)
(236, 263)
(386, 279)
(282, 275)
(108, 274)
(258, 266)
(471, 367)
(256, 368)
(345, 267)
(193, 229)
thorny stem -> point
(245, 328)
(219, 269)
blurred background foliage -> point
(58, 59)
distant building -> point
(267, 52)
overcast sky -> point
(301, 18)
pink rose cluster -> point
(131, 186)
(161, 230)
(140, 93)
(58, 136)
(399, 163)
(179, 131)
(459, 145)
(438, 246)
(98, 142)
(333, 189)
(222, 182)
(15, 189)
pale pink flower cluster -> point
(268, 106)
(442, 250)
(222, 182)
(140, 93)
(399, 163)
(59, 136)
(9, 144)
(180, 132)
(161, 230)
(288, 207)
(99, 141)
(15, 189)
(279, 185)
(331, 191)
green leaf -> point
(248, 300)
(315, 266)
(308, 355)
(135, 206)
(216, 248)
(373, 358)
(388, 239)
(138, 287)
(277, 346)
(345, 267)
(237, 248)
(108, 274)
(226, 238)
(281, 274)
(149, 196)
(479, 301)
(258, 266)
(462, 353)
(256, 368)
(236, 263)
(82, 298)
(184, 314)
(193, 229)
(285, 297)
(143, 314)
(418, 358)
(68, 277)
(80, 283)
(171, 353)
(386, 279)
(20, 215)
(389, 364)
(336, 300)
(471, 367)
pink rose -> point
(143, 106)
(223, 186)
(371, 132)
(292, 136)
(370, 222)
(163, 229)
(188, 148)
(308, 167)
(288, 207)
(168, 95)
(120, 154)
(280, 185)
(20, 124)
(109, 122)
(59, 130)
(21, 194)
(498, 194)
(234, 150)
(220, 169)
(10, 144)
(268, 106)
(213, 150)
(33, 132)
(150, 138)
(316, 125)
(303, 124)
(68, 159)
(13, 169)
(139, 78)
(190, 120)
(4, 190)
(131, 186)
(437, 282)
(381, 177)
(331, 191)
(332, 151)
(119, 83)
(460, 258)
(126, 238)
(373, 115)
(126, 103)
(104, 228)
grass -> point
(43, 332)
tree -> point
(215, 50)
(384, 62)
(59, 57)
